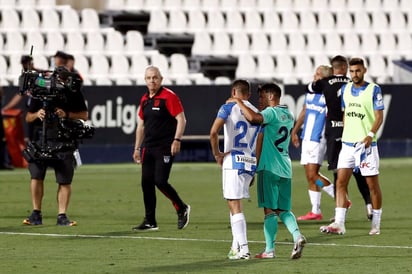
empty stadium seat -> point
(215, 21)
(138, 65)
(134, 43)
(351, 43)
(333, 43)
(196, 21)
(54, 42)
(369, 43)
(234, 21)
(202, 44)
(387, 45)
(362, 21)
(3, 66)
(290, 21)
(30, 20)
(177, 22)
(14, 43)
(319, 5)
(188, 5)
(70, 20)
(119, 66)
(278, 43)
(240, 43)
(150, 5)
(114, 42)
(99, 67)
(253, 21)
(221, 43)
(246, 67)
(222, 80)
(379, 21)
(315, 43)
(74, 42)
(259, 43)
(90, 20)
(10, 20)
(45, 4)
(344, 22)
(271, 21)
(94, 42)
(179, 66)
(304, 68)
(115, 4)
(265, 5)
(326, 22)
(170, 5)
(158, 21)
(81, 63)
(297, 43)
(247, 5)
(397, 21)
(266, 68)
(50, 20)
(123, 81)
(308, 21)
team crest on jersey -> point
(166, 159)
(156, 103)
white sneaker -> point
(233, 254)
(265, 255)
(333, 228)
(298, 247)
(375, 231)
(238, 255)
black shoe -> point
(6, 167)
(146, 226)
(62, 220)
(183, 218)
(34, 219)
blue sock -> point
(270, 229)
(319, 183)
(289, 220)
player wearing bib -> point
(274, 168)
(238, 162)
(363, 116)
(312, 117)
(330, 88)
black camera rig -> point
(50, 87)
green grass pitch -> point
(107, 203)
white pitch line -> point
(189, 239)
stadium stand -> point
(213, 38)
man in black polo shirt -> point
(330, 86)
(161, 123)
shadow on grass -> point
(211, 266)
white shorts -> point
(235, 186)
(369, 166)
(312, 152)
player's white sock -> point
(376, 219)
(330, 190)
(340, 215)
(235, 244)
(240, 231)
(315, 200)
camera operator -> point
(45, 115)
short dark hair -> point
(271, 88)
(26, 59)
(61, 54)
(339, 58)
(242, 85)
(356, 61)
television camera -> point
(51, 87)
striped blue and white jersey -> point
(315, 116)
(239, 138)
